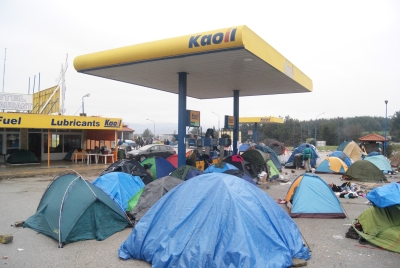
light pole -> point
(218, 119)
(316, 122)
(83, 103)
(154, 127)
(384, 142)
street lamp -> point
(154, 127)
(83, 103)
(218, 119)
(384, 142)
(315, 132)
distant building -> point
(125, 133)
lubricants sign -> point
(17, 120)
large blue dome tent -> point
(215, 227)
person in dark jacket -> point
(307, 155)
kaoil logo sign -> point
(112, 123)
(193, 118)
(212, 39)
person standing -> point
(307, 156)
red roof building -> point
(372, 142)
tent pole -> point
(48, 148)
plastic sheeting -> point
(215, 220)
(385, 196)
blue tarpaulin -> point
(385, 196)
(215, 220)
(120, 187)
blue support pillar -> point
(255, 132)
(236, 116)
(182, 119)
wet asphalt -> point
(22, 187)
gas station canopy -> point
(217, 62)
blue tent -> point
(373, 153)
(239, 174)
(311, 197)
(272, 155)
(342, 156)
(243, 147)
(215, 227)
(159, 166)
(219, 168)
(300, 149)
(385, 196)
(333, 165)
(380, 162)
(342, 145)
(121, 187)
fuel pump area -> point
(228, 62)
(259, 120)
(208, 148)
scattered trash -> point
(280, 201)
(298, 262)
(20, 249)
(4, 257)
(338, 237)
(18, 223)
(6, 239)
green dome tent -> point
(363, 170)
(19, 157)
(273, 171)
(72, 209)
(381, 227)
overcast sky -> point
(349, 49)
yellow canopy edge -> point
(172, 47)
(255, 44)
(262, 120)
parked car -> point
(150, 150)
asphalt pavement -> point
(22, 187)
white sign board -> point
(19, 102)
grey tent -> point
(129, 166)
(152, 192)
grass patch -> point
(326, 148)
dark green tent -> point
(183, 171)
(381, 227)
(257, 157)
(72, 209)
(22, 156)
(363, 170)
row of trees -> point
(334, 131)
